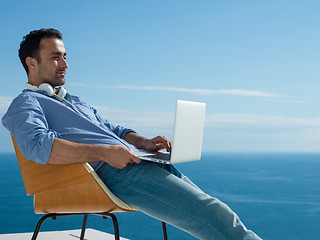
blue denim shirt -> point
(35, 120)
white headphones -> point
(47, 89)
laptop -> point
(187, 135)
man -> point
(52, 126)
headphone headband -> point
(47, 89)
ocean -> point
(277, 195)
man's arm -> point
(154, 144)
(66, 152)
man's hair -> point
(29, 47)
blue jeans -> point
(162, 192)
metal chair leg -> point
(84, 225)
(115, 224)
(164, 230)
(37, 230)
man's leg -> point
(165, 194)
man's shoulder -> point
(26, 97)
(22, 97)
(23, 101)
(19, 104)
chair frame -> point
(105, 215)
(70, 189)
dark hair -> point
(29, 47)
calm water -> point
(275, 195)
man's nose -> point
(64, 64)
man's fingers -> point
(162, 142)
(134, 158)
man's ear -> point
(31, 63)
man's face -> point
(52, 65)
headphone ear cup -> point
(62, 92)
(47, 88)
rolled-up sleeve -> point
(26, 121)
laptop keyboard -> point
(160, 156)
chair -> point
(71, 189)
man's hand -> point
(157, 143)
(154, 144)
(117, 156)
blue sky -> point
(256, 64)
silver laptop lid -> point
(188, 131)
